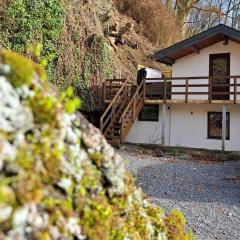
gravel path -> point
(204, 192)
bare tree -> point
(194, 16)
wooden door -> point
(219, 65)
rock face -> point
(59, 177)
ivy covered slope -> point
(59, 179)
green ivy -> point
(97, 65)
(97, 61)
(29, 22)
(102, 56)
(38, 29)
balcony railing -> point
(205, 89)
(111, 87)
(187, 89)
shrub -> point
(176, 150)
(27, 22)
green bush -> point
(27, 23)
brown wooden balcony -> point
(201, 89)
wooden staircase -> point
(122, 111)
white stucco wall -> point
(149, 132)
(198, 65)
(187, 127)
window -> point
(149, 113)
(215, 125)
(219, 65)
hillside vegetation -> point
(76, 45)
(155, 20)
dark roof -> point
(196, 43)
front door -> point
(220, 66)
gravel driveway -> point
(207, 193)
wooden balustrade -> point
(132, 110)
(235, 90)
(111, 87)
(168, 88)
(165, 88)
(108, 117)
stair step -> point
(113, 135)
(117, 131)
(114, 142)
(113, 138)
(113, 130)
(115, 127)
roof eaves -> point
(195, 39)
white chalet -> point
(198, 107)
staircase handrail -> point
(110, 106)
(131, 101)
(135, 105)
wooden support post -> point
(224, 126)
(122, 129)
(110, 89)
(134, 108)
(186, 91)
(165, 91)
(235, 90)
(101, 125)
(144, 88)
(210, 90)
(164, 117)
(113, 113)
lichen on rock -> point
(59, 178)
(14, 117)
